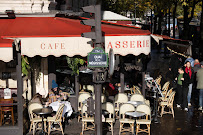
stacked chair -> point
(135, 90)
(120, 98)
(167, 102)
(123, 120)
(146, 121)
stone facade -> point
(27, 6)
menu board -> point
(7, 93)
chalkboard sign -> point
(97, 58)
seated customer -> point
(37, 98)
(55, 94)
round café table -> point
(42, 112)
(135, 103)
(135, 114)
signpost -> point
(96, 60)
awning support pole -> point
(77, 87)
(19, 94)
(143, 84)
(122, 81)
(51, 70)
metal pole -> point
(135, 12)
(98, 87)
(143, 84)
(122, 81)
(77, 85)
(19, 92)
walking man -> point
(200, 86)
(183, 81)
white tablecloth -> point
(67, 107)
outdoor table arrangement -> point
(43, 112)
(67, 107)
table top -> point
(105, 112)
(43, 111)
(135, 114)
(136, 103)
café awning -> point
(6, 51)
(62, 36)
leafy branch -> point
(74, 64)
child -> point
(183, 81)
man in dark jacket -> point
(183, 81)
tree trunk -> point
(159, 23)
(201, 24)
(186, 23)
(169, 22)
(155, 21)
(174, 17)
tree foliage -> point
(74, 64)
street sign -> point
(97, 58)
(99, 76)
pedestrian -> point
(199, 78)
(191, 60)
(190, 72)
(183, 80)
(197, 65)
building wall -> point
(27, 6)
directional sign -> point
(97, 58)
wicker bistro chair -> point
(137, 97)
(6, 109)
(82, 97)
(56, 120)
(120, 98)
(86, 119)
(168, 103)
(34, 119)
(166, 96)
(135, 90)
(158, 80)
(146, 121)
(110, 120)
(103, 98)
(123, 109)
(165, 88)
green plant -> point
(74, 64)
(25, 65)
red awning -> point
(58, 27)
(46, 32)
